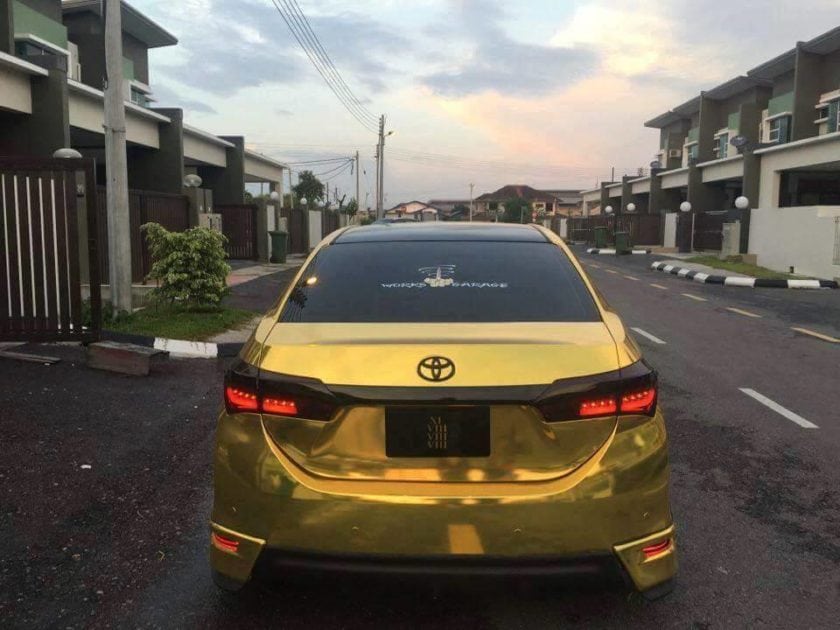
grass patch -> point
(736, 264)
(172, 322)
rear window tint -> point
(468, 281)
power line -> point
(299, 32)
(336, 159)
(326, 57)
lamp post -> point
(685, 208)
(742, 203)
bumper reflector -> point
(657, 549)
(225, 544)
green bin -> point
(279, 246)
(622, 242)
(600, 237)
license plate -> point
(437, 431)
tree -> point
(351, 208)
(517, 210)
(309, 187)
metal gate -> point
(239, 225)
(296, 224)
(48, 232)
(708, 230)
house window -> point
(29, 49)
(722, 146)
(834, 116)
(139, 98)
(692, 151)
(780, 130)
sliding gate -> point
(48, 250)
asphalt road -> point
(756, 496)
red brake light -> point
(639, 401)
(651, 551)
(240, 399)
(598, 407)
(280, 406)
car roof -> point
(442, 231)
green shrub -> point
(190, 266)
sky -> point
(549, 93)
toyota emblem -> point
(436, 369)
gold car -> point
(452, 398)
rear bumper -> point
(597, 526)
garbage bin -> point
(279, 246)
(622, 242)
(600, 237)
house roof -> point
(423, 206)
(518, 191)
(134, 22)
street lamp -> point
(274, 196)
(742, 203)
(685, 207)
(631, 207)
(193, 181)
(304, 201)
(608, 209)
(67, 154)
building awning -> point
(134, 22)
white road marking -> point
(632, 278)
(695, 297)
(744, 313)
(610, 271)
(811, 333)
(593, 265)
(647, 335)
(658, 286)
(787, 413)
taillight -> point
(238, 399)
(278, 395)
(280, 406)
(639, 401)
(630, 391)
(597, 407)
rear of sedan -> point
(444, 398)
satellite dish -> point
(739, 142)
(656, 164)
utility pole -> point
(381, 166)
(358, 201)
(472, 188)
(376, 191)
(119, 230)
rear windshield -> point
(391, 282)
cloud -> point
(496, 62)
(226, 47)
(167, 97)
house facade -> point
(770, 135)
(541, 202)
(52, 68)
(416, 210)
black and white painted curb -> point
(613, 252)
(752, 283)
(177, 347)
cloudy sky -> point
(551, 93)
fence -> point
(239, 225)
(49, 248)
(644, 229)
(330, 223)
(170, 211)
(708, 230)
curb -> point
(751, 283)
(177, 347)
(613, 252)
